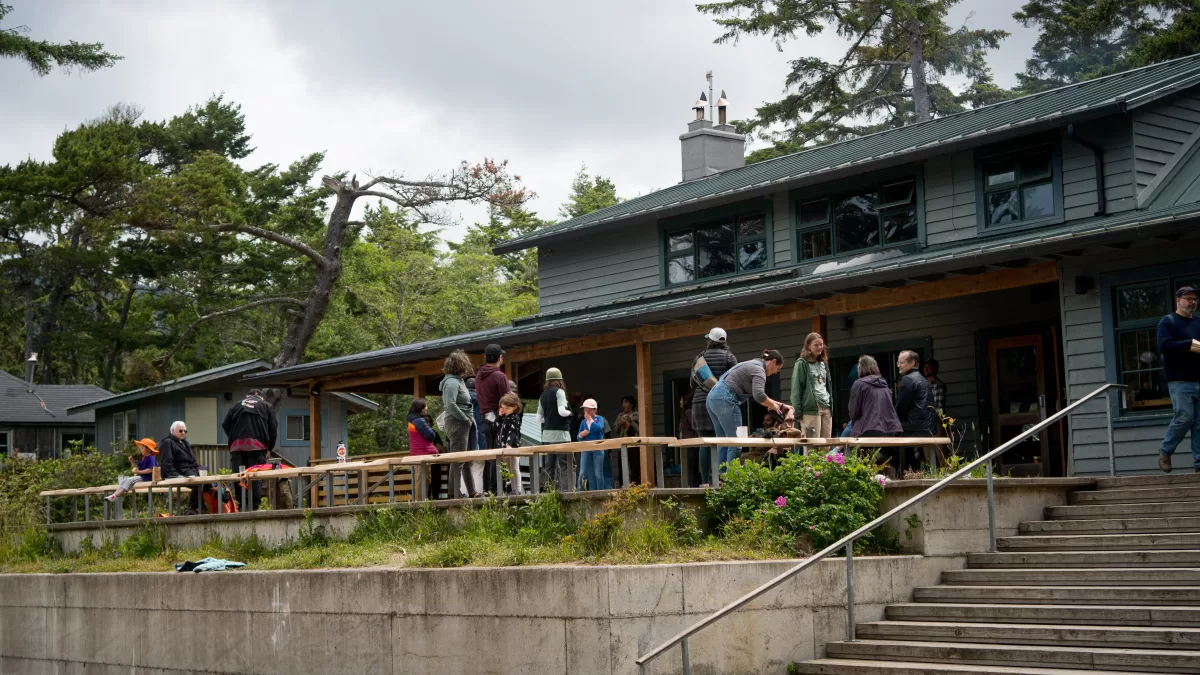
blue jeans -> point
(849, 431)
(1185, 400)
(726, 413)
(591, 469)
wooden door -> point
(1017, 371)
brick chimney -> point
(709, 149)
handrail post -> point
(850, 591)
(1112, 457)
(991, 501)
(687, 664)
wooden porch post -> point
(645, 410)
(419, 386)
(820, 324)
(314, 426)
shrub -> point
(150, 541)
(822, 497)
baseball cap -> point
(717, 335)
(493, 352)
(590, 403)
(1184, 290)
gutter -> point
(1098, 153)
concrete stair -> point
(1107, 584)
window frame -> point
(1109, 283)
(1028, 146)
(716, 216)
(8, 442)
(829, 193)
(306, 430)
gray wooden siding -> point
(1159, 131)
(950, 198)
(951, 324)
(606, 266)
(1136, 448)
(783, 229)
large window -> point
(880, 216)
(1019, 188)
(5, 443)
(1137, 309)
(730, 246)
(125, 428)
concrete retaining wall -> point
(532, 620)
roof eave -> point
(166, 387)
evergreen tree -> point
(42, 56)
(588, 194)
(891, 75)
(1083, 39)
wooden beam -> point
(419, 386)
(314, 426)
(820, 325)
(645, 409)
(508, 369)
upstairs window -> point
(732, 246)
(881, 216)
(1020, 188)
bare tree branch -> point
(187, 334)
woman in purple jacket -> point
(872, 413)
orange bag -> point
(228, 505)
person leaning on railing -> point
(424, 440)
(744, 381)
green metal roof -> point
(1118, 92)
(850, 275)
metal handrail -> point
(847, 541)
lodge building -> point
(1029, 246)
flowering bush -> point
(824, 497)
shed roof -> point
(220, 372)
(880, 267)
(46, 404)
(1084, 99)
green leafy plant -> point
(312, 536)
(149, 541)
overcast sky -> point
(414, 87)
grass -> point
(628, 530)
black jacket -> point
(913, 403)
(176, 458)
(251, 418)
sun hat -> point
(717, 335)
(590, 403)
(553, 374)
(149, 443)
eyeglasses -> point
(183, 431)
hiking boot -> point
(1164, 462)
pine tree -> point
(589, 194)
(42, 56)
(891, 74)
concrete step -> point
(1100, 542)
(864, 667)
(1143, 510)
(1069, 615)
(1067, 559)
(1027, 656)
(1115, 576)
(1113, 525)
(1108, 637)
(1168, 493)
(1185, 477)
(1061, 595)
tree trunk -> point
(58, 296)
(920, 87)
(115, 352)
(304, 325)
(29, 321)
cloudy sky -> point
(414, 87)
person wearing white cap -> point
(707, 368)
(591, 462)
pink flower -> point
(781, 501)
(839, 458)
(828, 458)
(812, 527)
(817, 474)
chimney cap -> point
(722, 101)
(701, 102)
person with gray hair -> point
(177, 460)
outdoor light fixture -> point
(1083, 285)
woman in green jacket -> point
(810, 388)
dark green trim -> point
(1026, 144)
(829, 191)
(764, 205)
(1112, 370)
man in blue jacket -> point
(1179, 343)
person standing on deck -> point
(912, 403)
(707, 368)
(459, 418)
(554, 416)
(1179, 343)
(252, 429)
(810, 395)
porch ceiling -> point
(976, 267)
